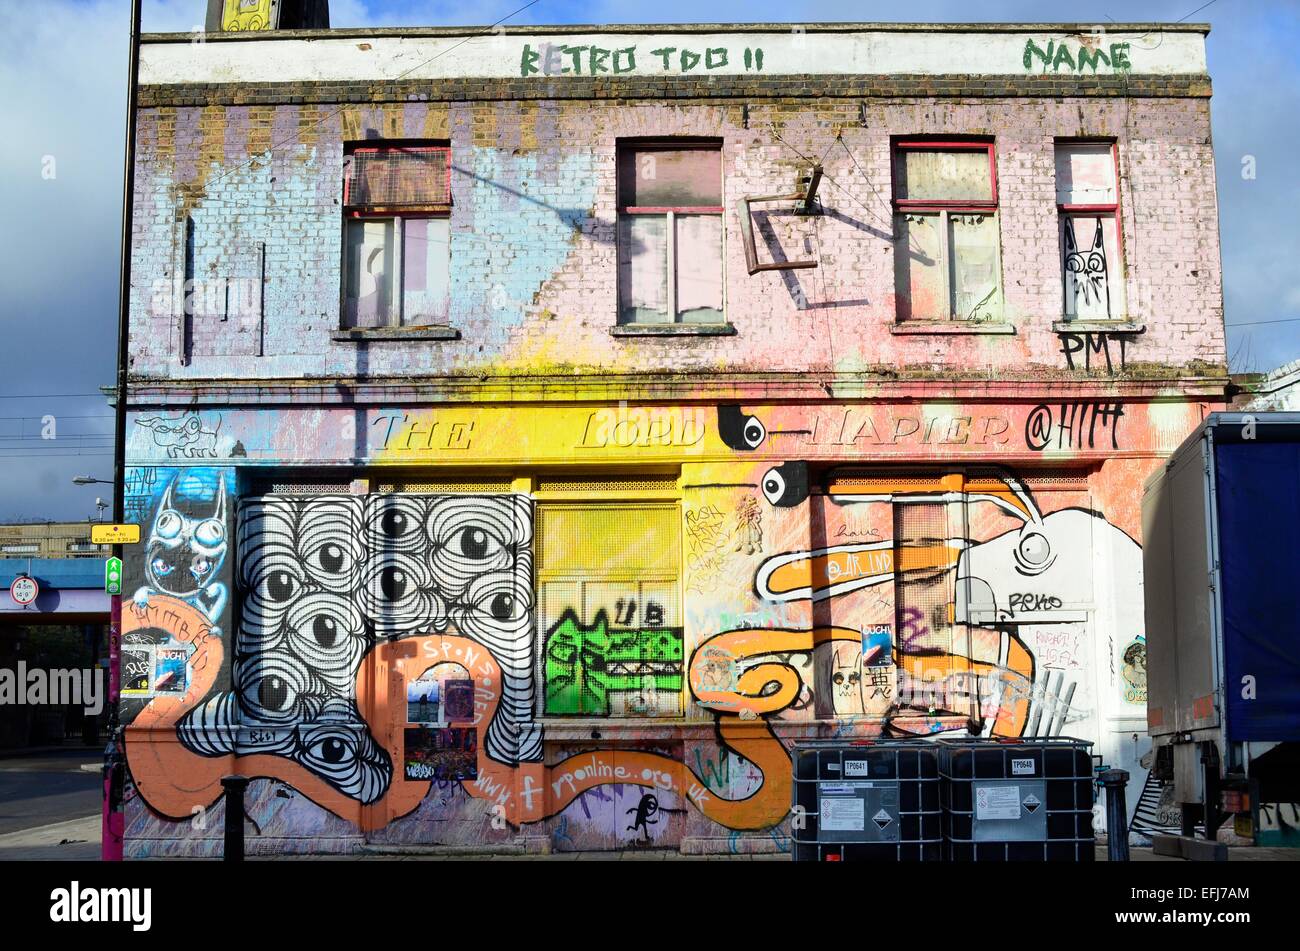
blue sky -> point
(63, 82)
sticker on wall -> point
(447, 754)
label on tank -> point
(1022, 767)
(855, 767)
(997, 802)
(847, 814)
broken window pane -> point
(974, 271)
(699, 268)
(935, 175)
(667, 178)
(1085, 174)
(643, 269)
(426, 263)
(1094, 288)
(369, 273)
(397, 177)
(918, 272)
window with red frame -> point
(1087, 198)
(947, 256)
(396, 235)
(670, 233)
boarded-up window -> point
(397, 248)
(1087, 196)
(609, 617)
(670, 234)
(947, 260)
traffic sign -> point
(114, 534)
(113, 576)
(24, 590)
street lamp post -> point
(115, 755)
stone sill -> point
(951, 327)
(672, 330)
(367, 334)
(1097, 327)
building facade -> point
(537, 432)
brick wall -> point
(533, 254)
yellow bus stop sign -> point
(114, 534)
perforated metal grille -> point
(634, 540)
(665, 483)
(317, 487)
(452, 487)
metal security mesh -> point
(632, 540)
(435, 488)
(399, 178)
(665, 483)
(321, 487)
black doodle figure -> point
(645, 811)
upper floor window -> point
(1087, 197)
(670, 233)
(396, 242)
(947, 260)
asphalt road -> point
(44, 788)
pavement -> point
(48, 787)
(78, 840)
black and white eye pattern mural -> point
(326, 577)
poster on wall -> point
(458, 700)
(151, 670)
(877, 645)
(448, 753)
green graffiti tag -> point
(1058, 54)
(553, 59)
(585, 664)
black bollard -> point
(234, 787)
(1116, 814)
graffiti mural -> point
(975, 616)
(585, 665)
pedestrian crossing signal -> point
(113, 576)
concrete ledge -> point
(672, 330)
(951, 327)
(395, 333)
(1097, 327)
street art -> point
(1073, 426)
(719, 544)
(187, 546)
(1135, 671)
(340, 593)
(585, 665)
(1087, 274)
(550, 59)
(1057, 54)
(739, 430)
(182, 436)
(1097, 344)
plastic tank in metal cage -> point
(875, 801)
(1017, 800)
